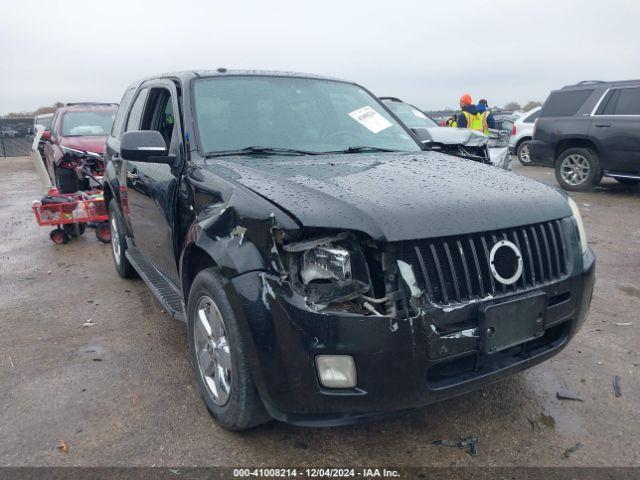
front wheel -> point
(578, 169)
(118, 242)
(523, 153)
(219, 355)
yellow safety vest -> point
(474, 122)
(485, 123)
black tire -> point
(74, 230)
(522, 152)
(59, 236)
(123, 267)
(103, 232)
(628, 181)
(243, 408)
(591, 173)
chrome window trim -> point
(593, 112)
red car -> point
(78, 135)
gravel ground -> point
(121, 392)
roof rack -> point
(75, 104)
(393, 99)
(588, 82)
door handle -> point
(603, 125)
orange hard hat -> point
(466, 99)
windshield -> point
(293, 113)
(410, 116)
(96, 123)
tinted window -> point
(564, 104)
(87, 124)
(118, 123)
(532, 118)
(622, 101)
(136, 111)
(295, 113)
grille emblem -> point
(505, 260)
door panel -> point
(151, 187)
(620, 141)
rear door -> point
(616, 126)
(152, 187)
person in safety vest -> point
(469, 116)
(451, 121)
(487, 119)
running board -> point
(163, 289)
(613, 174)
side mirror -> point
(46, 135)
(145, 146)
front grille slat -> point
(443, 286)
(457, 269)
(477, 265)
(452, 269)
(425, 272)
(465, 268)
(554, 247)
(538, 255)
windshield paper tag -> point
(369, 118)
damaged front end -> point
(335, 271)
(464, 143)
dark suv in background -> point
(590, 130)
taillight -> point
(513, 130)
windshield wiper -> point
(261, 151)
(363, 149)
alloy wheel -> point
(524, 153)
(575, 169)
(115, 239)
(212, 350)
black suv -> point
(589, 130)
(327, 267)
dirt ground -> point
(121, 392)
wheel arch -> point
(521, 140)
(574, 142)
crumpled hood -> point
(87, 144)
(457, 136)
(395, 196)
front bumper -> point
(401, 363)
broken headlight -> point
(328, 269)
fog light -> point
(336, 371)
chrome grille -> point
(453, 270)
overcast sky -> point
(426, 52)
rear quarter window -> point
(564, 104)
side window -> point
(118, 123)
(608, 104)
(159, 116)
(628, 102)
(565, 104)
(532, 118)
(135, 115)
